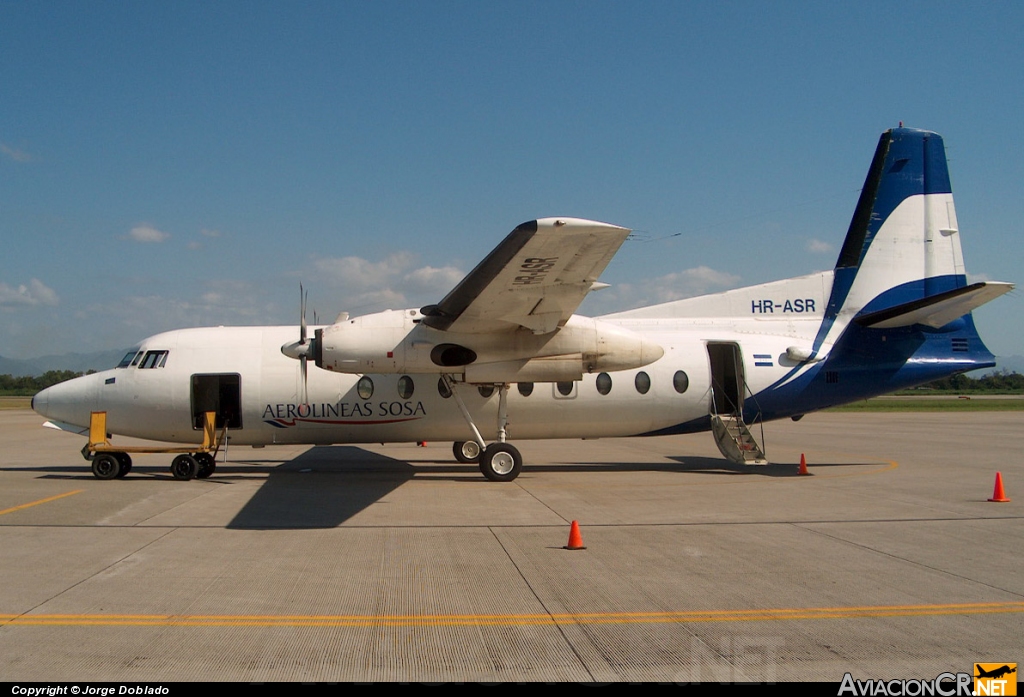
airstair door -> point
(726, 379)
(728, 389)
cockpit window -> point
(127, 360)
(154, 359)
(138, 357)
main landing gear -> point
(499, 461)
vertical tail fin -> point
(903, 244)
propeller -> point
(300, 349)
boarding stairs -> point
(735, 441)
(734, 438)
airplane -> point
(996, 672)
(504, 354)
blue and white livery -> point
(504, 354)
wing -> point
(536, 278)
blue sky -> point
(165, 165)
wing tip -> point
(567, 222)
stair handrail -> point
(758, 417)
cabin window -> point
(443, 389)
(153, 359)
(364, 387)
(127, 360)
(604, 383)
(680, 381)
(405, 387)
(642, 382)
(564, 390)
(525, 388)
(486, 391)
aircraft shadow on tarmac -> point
(321, 488)
(708, 465)
(327, 485)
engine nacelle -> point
(397, 342)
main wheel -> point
(501, 462)
(207, 465)
(105, 466)
(466, 451)
(184, 467)
(125, 462)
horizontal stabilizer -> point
(937, 310)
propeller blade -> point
(302, 312)
(305, 385)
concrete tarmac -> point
(394, 563)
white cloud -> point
(209, 233)
(147, 233)
(14, 153)
(690, 282)
(35, 293)
(430, 279)
(394, 282)
(677, 285)
(818, 247)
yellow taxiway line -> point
(36, 503)
(755, 615)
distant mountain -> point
(79, 362)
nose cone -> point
(71, 401)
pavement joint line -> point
(40, 501)
(555, 619)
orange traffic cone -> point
(575, 539)
(803, 464)
(998, 495)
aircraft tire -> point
(207, 465)
(124, 460)
(466, 451)
(501, 462)
(184, 467)
(105, 466)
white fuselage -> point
(159, 402)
